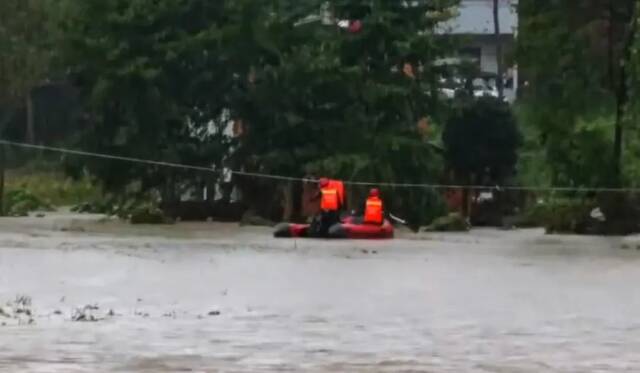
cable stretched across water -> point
(298, 179)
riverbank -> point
(106, 296)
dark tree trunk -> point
(288, 205)
(3, 166)
(622, 91)
(297, 202)
(498, 41)
(466, 196)
(31, 131)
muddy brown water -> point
(488, 301)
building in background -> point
(474, 27)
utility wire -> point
(297, 179)
(104, 156)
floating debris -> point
(17, 312)
(142, 314)
(87, 313)
(6, 311)
(22, 303)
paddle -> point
(414, 228)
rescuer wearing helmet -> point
(373, 209)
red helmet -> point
(374, 192)
(324, 182)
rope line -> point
(104, 156)
(297, 179)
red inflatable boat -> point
(350, 227)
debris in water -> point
(142, 314)
(18, 311)
(22, 302)
(24, 311)
(86, 314)
(365, 251)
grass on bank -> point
(28, 189)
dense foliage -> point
(165, 81)
(345, 88)
(481, 141)
(574, 56)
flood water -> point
(489, 301)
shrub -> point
(21, 202)
(562, 215)
(453, 222)
(147, 214)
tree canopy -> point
(481, 141)
(349, 89)
(574, 57)
(164, 79)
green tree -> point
(573, 56)
(312, 96)
(481, 141)
(24, 48)
(348, 101)
(153, 79)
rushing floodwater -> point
(485, 302)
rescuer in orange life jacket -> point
(331, 201)
(373, 209)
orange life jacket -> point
(339, 187)
(373, 211)
(330, 200)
